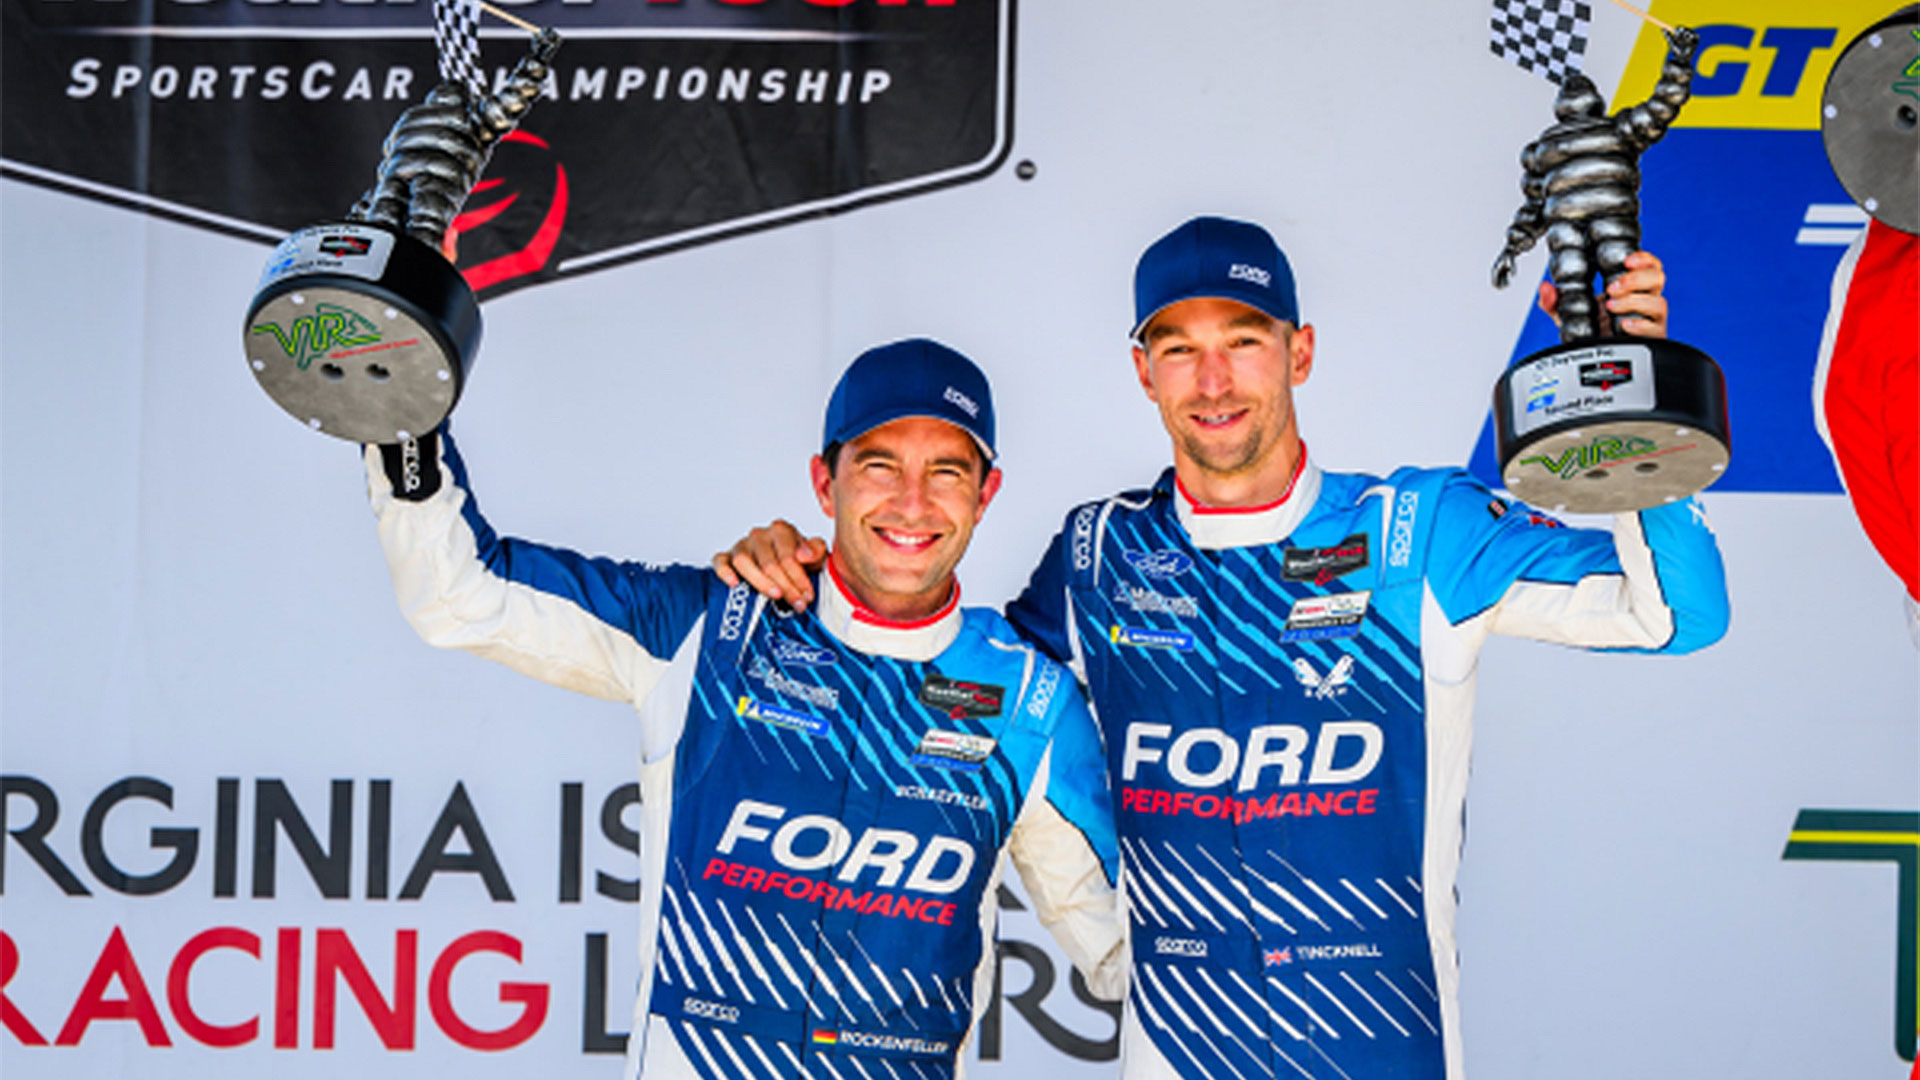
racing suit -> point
(1286, 697)
(824, 796)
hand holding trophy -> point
(1602, 422)
(361, 329)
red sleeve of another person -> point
(1867, 391)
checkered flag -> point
(1547, 37)
(456, 33)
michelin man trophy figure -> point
(362, 329)
(1603, 423)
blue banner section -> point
(1750, 224)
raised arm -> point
(1645, 123)
(588, 624)
(1653, 583)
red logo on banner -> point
(532, 255)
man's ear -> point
(1301, 349)
(1143, 368)
(822, 483)
(989, 487)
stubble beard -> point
(1240, 457)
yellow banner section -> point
(1761, 64)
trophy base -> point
(1868, 121)
(362, 333)
(1611, 425)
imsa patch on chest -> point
(955, 750)
(1319, 618)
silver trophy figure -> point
(1603, 423)
(362, 329)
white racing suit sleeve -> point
(1656, 584)
(1064, 847)
(593, 625)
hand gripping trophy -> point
(362, 329)
(1603, 423)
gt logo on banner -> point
(1876, 836)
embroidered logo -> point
(954, 750)
(960, 697)
(1323, 564)
(1318, 618)
(1319, 687)
(1159, 564)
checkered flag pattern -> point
(1546, 37)
(456, 33)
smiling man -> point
(825, 796)
(1282, 660)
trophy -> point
(361, 328)
(1869, 111)
(1601, 422)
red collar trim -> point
(867, 615)
(1195, 505)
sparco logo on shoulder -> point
(1083, 537)
(1400, 539)
(735, 612)
(647, 104)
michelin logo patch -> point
(1318, 618)
(781, 718)
(1142, 637)
(954, 750)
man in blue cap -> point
(825, 796)
(1282, 661)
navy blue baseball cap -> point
(916, 377)
(1217, 257)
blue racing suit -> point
(825, 797)
(1286, 700)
